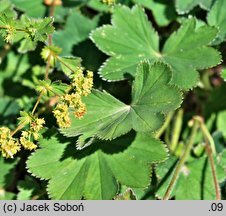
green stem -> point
(176, 130)
(182, 161)
(165, 125)
(208, 136)
(20, 127)
(17, 29)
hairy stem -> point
(182, 161)
(213, 170)
(50, 40)
(37, 102)
(17, 29)
(208, 136)
(177, 130)
(20, 127)
(210, 150)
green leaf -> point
(98, 5)
(34, 9)
(9, 110)
(7, 8)
(221, 122)
(223, 74)
(162, 10)
(131, 38)
(195, 181)
(126, 195)
(25, 118)
(51, 88)
(108, 118)
(76, 30)
(184, 6)
(36, 30)
(28, 188)
(7, 168)
(6, 195)
(69, 64)
(217, 17)
(94, 172)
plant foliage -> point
(112, 99)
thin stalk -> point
(50, 41)
(58, 58)
(165, 125)
(37, 102)
(213, 170)
(20, 127)
(176, 130)
(208, 137)
(210, 150)
(48, 67)
(182, 161)
(17, 29)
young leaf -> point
(108, 118)
(131, 38)
(217, 17)
(94, 173)
(184, 6)
(51, 88)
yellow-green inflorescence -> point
(81, 85)
(9, 146)
(109, 2)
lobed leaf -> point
(131, 38)
(184, 6)
(76, 30)
(94, 172)
(108, 118)
(217, 17)
(163, 10)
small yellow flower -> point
(109, 2)
(27, 144)
(37, 124)
(10, 148)
(61, 114)
(8, 145)
(81, 111)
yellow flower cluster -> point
(109, 2)
(62, 115)
(33, 133)
(9, 146)
(81, 85)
